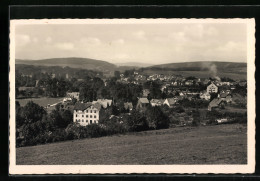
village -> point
(128, 101)
(175, 89)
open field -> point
(218, 144)
(43, 101)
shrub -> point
(156, 118)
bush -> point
(156, 118)
(137, 122)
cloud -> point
(65, 46)
(211, 31)
(119, 42)
(232, 46)
(93, 41)
(122, 56)
(22, 40)
(48, 40)
(178, 36)
(140, 35)
(35, 40)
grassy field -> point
(43, 101)
(219, 144)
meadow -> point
(43, 101)
(218, 144)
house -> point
(182, 93)
(225, 97)
(104, 102)
(205, 95)
(212, 88)
(66, 99)
(224, 120)
(156, 102)
(189, 82)
(25, 88)
(73, 95)
(128, 106)
(142, 103)
(215, 103)
(170, 102)
(146, 92)
(86, 113)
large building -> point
(212, 88)
(86, 113)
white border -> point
(108, 169)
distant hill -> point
(83, 63)
(134, 64)
(201, 65)
(202, 69)
(199, 69)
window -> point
(94, 121)
(87, 111)
(90, 116)
(82, 120)
(76, 115)
(83, 116)
(91, 111)
(95, 116)
(95, 111)
(90, 121)
(86, 116)
(86, 121)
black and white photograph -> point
(132, 96)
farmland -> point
(218, 144)
(43, 101)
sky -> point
(143, 43)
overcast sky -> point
(144, 43)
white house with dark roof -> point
(86, 113)
(212, 88)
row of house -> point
(144, 102)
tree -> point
(67, 117)
(32, 112)
(117, 74)
(137, 122)
(57, 120)
(156, 118)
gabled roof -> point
(84, 106)
(224, 95)
(215, 102)
(157, 101)
(212, 84)
(171, 101)
(144, 100)
(128, 105)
